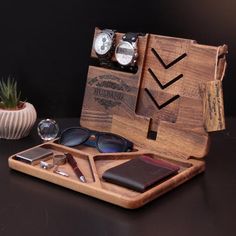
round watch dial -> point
(124, 53)
(102, 44)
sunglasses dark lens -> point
(111, 143)
(73, 137)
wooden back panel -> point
(111, 92)
(169, 95)
(173, 72)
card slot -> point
(183, 165)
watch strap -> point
(130, 37)
(110, 32)
(105, 60)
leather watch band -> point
(105, 62)
(130, 37)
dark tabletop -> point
(205, 205)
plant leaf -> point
(9, 95)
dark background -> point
(46, 44)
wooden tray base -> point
(93, 164)
(175, 94)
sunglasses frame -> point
(128, 145)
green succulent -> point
(9, 96)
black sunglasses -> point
(104, 142)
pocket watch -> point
(126, 52)
(104, 45)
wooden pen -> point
(75, 167)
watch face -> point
(102, 43)
(124, 53)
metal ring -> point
(59, 159)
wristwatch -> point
(126, 52)
(104, 46)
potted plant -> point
(16, 117)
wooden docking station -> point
(166, 108)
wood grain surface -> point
(213, 106)
(165, 92)
(166, 108)
(93, 165)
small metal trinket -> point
(46, 165)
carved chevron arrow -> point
(163, 104)
(167, 66)
(168, 83)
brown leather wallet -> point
(140, 173)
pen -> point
(75, 167)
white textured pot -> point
(16, 124)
